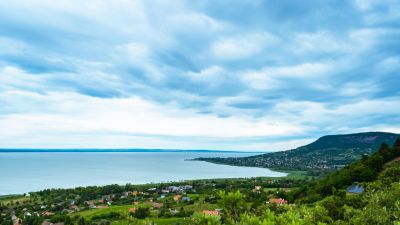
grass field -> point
(294, 174)
(88, 214)
(123, 209)
(5, 199)
(158, 221)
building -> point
(177, 197)
(157, 205)
(355, 189)
(186, 199)
(279, 201)
(132, 210)
(47, 213)
(74, 208)
(211, 212)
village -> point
(160, 202)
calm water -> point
(24, 172)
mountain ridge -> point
(326, 153)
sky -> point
(211, 74)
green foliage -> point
(81, 221)
(201, 219)
(364, 170)
(32, 220)
(233, 204)
(107, 216)
(142, 212)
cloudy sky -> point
(215, 74)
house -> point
(355, 189)
(46, 222)
(127, 193)
(279, 201)
(102, 206)
(27, 214)
(106, 198)
(176, 189)
(257, 188)
(177, 197)
(47, 213)
(173, 211)
(152, 189)
(90, 202)
(187, 187)
(68, 211)
(211, 212)
(17, 222)
(157, 205)
(132, 210)
(74, 208)
(135, 203)
(186, 199)
(173, 189)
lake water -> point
(33, 171)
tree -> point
(81, 221)
(200, 219)
(67, 221)
(397, 143)
(233, 204)
(142, 212)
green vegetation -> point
(373, 198)
(10, 199)
(324, 155)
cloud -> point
(210, 74)
(242, 46)
(70, 114)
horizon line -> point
(122, 150)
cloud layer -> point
(243, 75)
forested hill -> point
(326, 153)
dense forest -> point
(364, 192)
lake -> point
(23, 172)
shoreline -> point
(291, 175)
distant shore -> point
(123, 150)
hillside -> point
(364, 170)
(326, 153)
(253, 201)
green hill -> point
(326, 153)
(365, 170)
